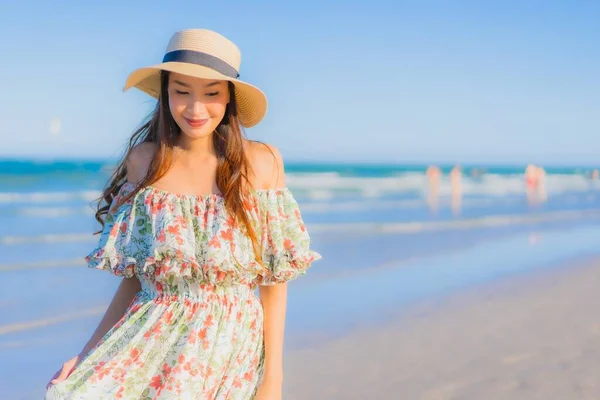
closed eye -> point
(180, 92)
(212, 94)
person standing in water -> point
(195, 218)
(535, 184)
(434, 176)
(456, 189)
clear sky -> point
(397, 81)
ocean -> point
(386, 241)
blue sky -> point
(397, 81)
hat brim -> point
(251, 101)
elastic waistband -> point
(199, 293)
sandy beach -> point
(533, 336)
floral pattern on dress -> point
(194, 331)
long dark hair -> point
(161, 129)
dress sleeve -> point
(286, 252)
(114, 253)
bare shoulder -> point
(267, 165)
(139, 160)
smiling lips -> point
(196, 123)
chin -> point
(198, 133)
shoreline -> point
(529, 336)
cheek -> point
(176, 106)
(216, 109)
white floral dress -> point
(195, 330)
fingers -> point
(60, 377)
(64, 373)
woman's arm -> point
(274, 303)
(137, 164)
(125, 293)
(269, 173)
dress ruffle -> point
(165, 236)
(110, 260)
(285, 241)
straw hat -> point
(202, 53)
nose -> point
(199, 109)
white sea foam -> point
(54, 212)
(331, 185)
(464, 224)
(48, 197)
(327, 186)
(73, 262)
(360, 205)
(307, 206)
(364, 228)
(11, 240)
(43, 322)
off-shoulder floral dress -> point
(195, 330)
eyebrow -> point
(181, 83)
(186, 85)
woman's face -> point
(197, 105)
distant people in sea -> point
(456, 189)
(535, 184)
(434, 178)
(531, 176)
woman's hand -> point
(64, 373)
(269, 390)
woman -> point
(194, 219)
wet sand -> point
(535, 336)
